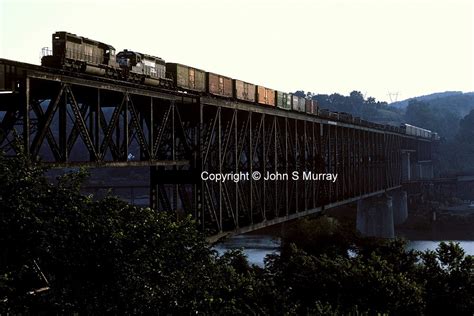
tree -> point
(440, 120)
(356, 98)
(64, 253)
(300, 93)
(378, 276)
(101, 256)
(448, 277)
(466, 129)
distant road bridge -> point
(67, 119)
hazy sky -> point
(412, 47)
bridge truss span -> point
(71, 120)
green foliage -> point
(357, 105)
(377, 277)
(105, 256)
(466, 129)
(324, 236)
(371, 283)
(455, 152)
(457, 155)
(448, 276)
(64, 253)
(444, 121)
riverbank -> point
(434, 221)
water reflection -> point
(256, 247)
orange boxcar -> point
(219, 85)
(265, 96)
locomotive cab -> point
(128, 59)
(109, 56)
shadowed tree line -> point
(62, 253)
(454, 154)
(448, 114)
(357, 105)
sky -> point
(387, 49)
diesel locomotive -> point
(79, 54)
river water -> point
(256, 247)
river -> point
(256, 247)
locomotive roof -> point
(138, 53)
(83, 39)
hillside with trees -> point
(355, 104)
(434, 97)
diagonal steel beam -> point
(104, 126)
(71, 140)
(111, 126)
(161, 131)
(45, 123)
(83, 130)
(49, 134)
(135, 122)
(207, 143)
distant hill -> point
(458, 104)
(430, 97)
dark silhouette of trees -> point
(466, 129)
(63, 253)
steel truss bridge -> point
(66, 119)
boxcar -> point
(333, 115)
(345, 117)
(186, 77)
(311, 106)
(297, 103)
(315, 107)
(283, 100)
(289, 101)
(244, 91)
(301, 104)
(265, 96)
(294, 102)
(324, 113)
(219, 85)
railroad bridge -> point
(67, 119)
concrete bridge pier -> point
(400, 206)
(375, 216)
(406, 166)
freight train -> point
(79, 54)
(418, 131)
